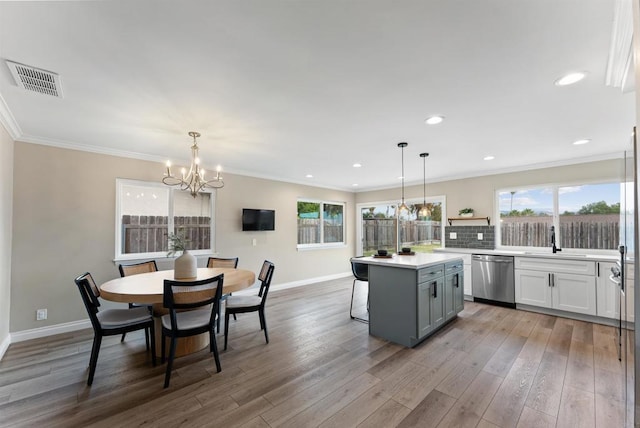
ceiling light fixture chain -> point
(194, 181)
(403, 206)
(424, 211)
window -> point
(146, 213)
(585, 216)
(320, 224)
(381, 228)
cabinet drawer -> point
(430, 273)
(579, 267)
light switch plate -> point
(480, 238)
(453, 235)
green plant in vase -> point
(176, 243)
(466, 212)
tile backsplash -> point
(467, 237)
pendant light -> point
(424, 211)
(403, 207)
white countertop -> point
(558, 255)
(417, 261)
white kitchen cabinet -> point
(574, 293)
(532, 287)
(466, 259)
(568, 285)
(607, 293)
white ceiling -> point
(281, 89)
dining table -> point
(148, 288)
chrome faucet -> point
(553, 240)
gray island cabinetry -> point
(411, 297)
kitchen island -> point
(413, 296)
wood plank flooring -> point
(491, 367)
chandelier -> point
(194, 181)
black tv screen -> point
(258, 219)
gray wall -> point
(64, 220)
(6, 189)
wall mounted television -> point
(258, 219)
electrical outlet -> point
(453, 235)
(480, 238)
(41, 314)
(254, 242)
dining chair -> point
(182, 299)
(241, 304)
(134, 269)
(219, 262)
(360, 273)
(111, 322)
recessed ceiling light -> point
(489, 157)
(355, 184)
(309, 176)
(580, 142)
(400, 178)
(570, 79)
(357, 165)
(434, 120)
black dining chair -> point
(219, 262)
(360, 273)
(242, 304)
(111, 322)
(135, 269)
(183, 300)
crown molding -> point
(8, 120)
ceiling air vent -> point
(35, 79)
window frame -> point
(442, 199)
(323, 245)
(555, 216)
(119, 256)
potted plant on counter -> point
(466, 212)
(185, 266)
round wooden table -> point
(149, 288)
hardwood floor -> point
(490, 367)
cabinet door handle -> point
(598, 266)
(457, 280)
(553, 279)
(435, 289)
(549, 280)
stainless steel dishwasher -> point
(492, 279)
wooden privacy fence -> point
(381, 233)
(596, 231)
(148, 234)
(309, 231)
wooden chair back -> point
(218, 262)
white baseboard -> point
(35, 333)
(293, 284)
(5, 345)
